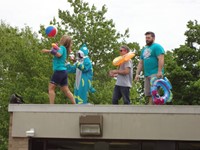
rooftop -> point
(150, 109)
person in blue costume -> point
(84, 74)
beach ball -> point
(51, 31)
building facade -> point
(103, 127)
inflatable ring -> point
(55, 46)
(166, 86)
(121, 59)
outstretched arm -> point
(53, 52)
(71, 68)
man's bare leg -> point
(150, 100)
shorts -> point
(59, 78)
(147, 85)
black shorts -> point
(59, 78)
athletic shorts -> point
(147, 86)
(59, 78)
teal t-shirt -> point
(59, 62)
(149, 55)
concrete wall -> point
(119, 122)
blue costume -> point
(84, 73)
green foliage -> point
(4, 119)
(183, 70)
(23, 67)
(23, 70)
(104, 94)
(192, 34)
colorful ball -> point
(51, 31)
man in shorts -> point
(152, 62)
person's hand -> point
(72, 57)
(159, 74)
(113, 73)
(45, 51)
(137, 77)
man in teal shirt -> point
(152, 62)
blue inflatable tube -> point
(166, 86)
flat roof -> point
(149, 109)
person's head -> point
(150, 37)
(67, 42)
(124, 50)
(83, 51)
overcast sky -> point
(167, 18)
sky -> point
(167, 18)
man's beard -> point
(149, 43)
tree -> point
(184, 69)
(23, 70)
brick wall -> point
(16, 143)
